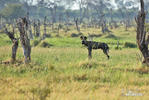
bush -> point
(60, 26)
(95, 35)
(35, 43)
(45, 44)
(130, 45)
(111, 36)
(48, 35)
(76, 35)
(118, 48)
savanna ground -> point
(63, 71)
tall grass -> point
(63, 71)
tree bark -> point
(1, 21)
(38, 28)
(14, 46)
(45, 28)
(29, 28)
(25, 41)
(141, 34)
(76, 22)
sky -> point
(112, 1)
(75, 6)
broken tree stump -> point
(141, 34)
(25, 41)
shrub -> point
(45, 44)
(48, 35)
(35, 43)
(118, 48)
(95, 35)
(76, 35)
(130, 45)
(111, 36)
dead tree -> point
(37, 28)
(29, 28)
(25, 41)
(59, 22)
(14, 46)
(104, 28)
(112, 24)
(45, 28)
(13, 28)
(127, 24)
(111, 15)
(67, 20)
(115, 24)
(34, 27)
(76, 23)
(1, 21)
(141, 34)
(53, 12)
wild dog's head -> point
(84, 39)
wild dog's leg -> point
(89, 52)
(106, 53)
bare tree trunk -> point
(53, 14)
(111, 16)
(34, 25)
(105, 28)
(141, 34)
(126, 25)
(76, 22)
(13, 28)
(83, 14)
(25, 41)
(1, 21)
(67, 21)
(14, 50)
(14, 46)
(29, 28)
(45, 28)
(38, 28)
(52, 17)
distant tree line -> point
(61, 10)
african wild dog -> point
(94, 45)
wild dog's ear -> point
(85, 38)
(81, 37)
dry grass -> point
(31, 89)
(63, 71)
